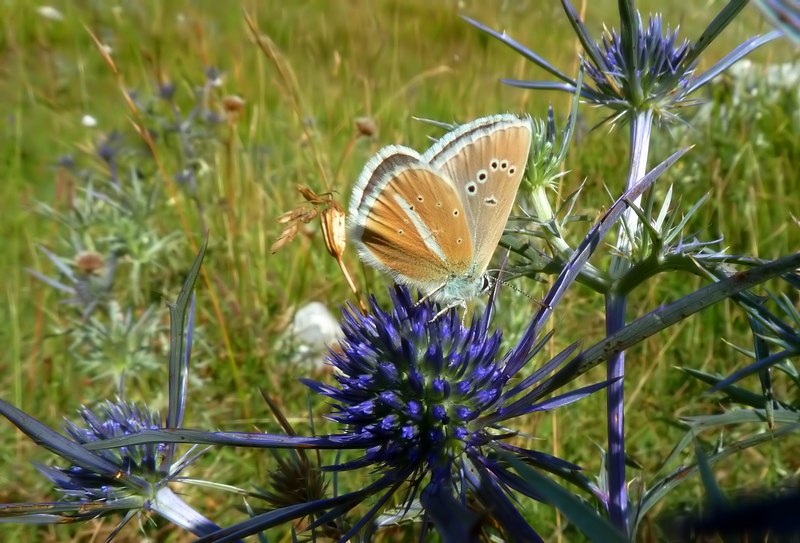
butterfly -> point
(433, 221)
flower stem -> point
(640, 129)
(544, 213)
(616, 302)
(615, 406)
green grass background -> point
(390, 61)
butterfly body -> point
(432, 221)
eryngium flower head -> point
(427, 397)
(411, 385)
(549, 148)
(86, 289)
(107, 421)
(638, 69)
(652, 74)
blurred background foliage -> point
(231, 132)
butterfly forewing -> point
(415, 228)
(486, 162)
(392, 157)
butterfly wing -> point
(486, 160)
(407, 220)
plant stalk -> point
(616, 303)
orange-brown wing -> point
(412, 225)
(486, 161)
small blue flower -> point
(128, 480)
(107, 421)
(109, 146)
(166, 91)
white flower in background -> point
(741, 69)
(752, 87)
(786, 75)
(88, 121)
(49, 12)
(313, 331)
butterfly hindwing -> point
(408, 221)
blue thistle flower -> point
(655, 75)
(107, 421)
(640, 68)
(424, 396)
(213, 75)
(166, 91)
(130, 480)
(411, 386)
(643, 74)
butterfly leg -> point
(462, 304)
(431, 293)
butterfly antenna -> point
(506, 282)
(516, 288)
(440, 124)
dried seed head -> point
(366, 127)
(301, 214)
(309, 194)
(288, 234)
(233, 105)
(333, 229)
(286, 217)
(297, 480)
(89, 262)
